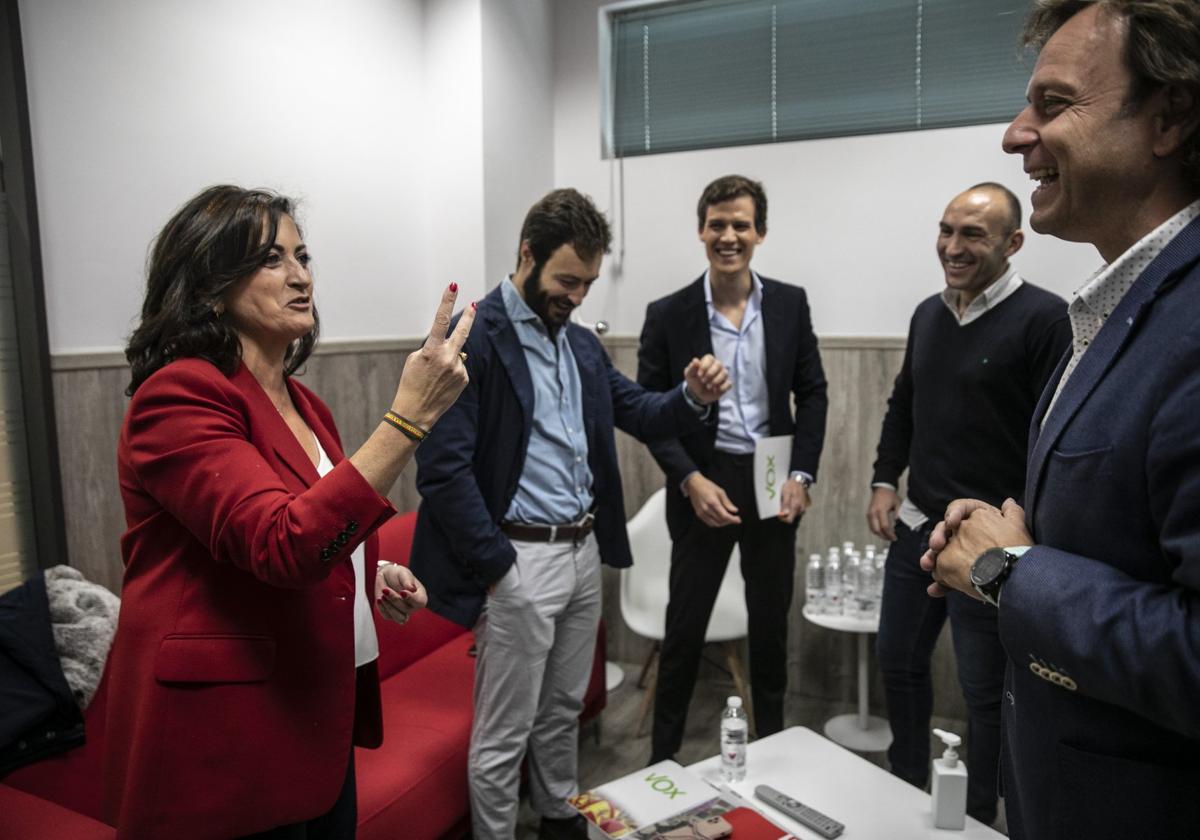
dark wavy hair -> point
(219, 237)
(564, 217)
(1162, 47)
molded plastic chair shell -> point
(644, 586)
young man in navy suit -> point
(762, 332)
(1097, 580)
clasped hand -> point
(398, 594)
(970, 528)
(707, 379)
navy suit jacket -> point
(677, 328)
(469, 466)
(1101, 620)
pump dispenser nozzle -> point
(950, 756)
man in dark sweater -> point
(978, 356)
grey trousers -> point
(536, 640)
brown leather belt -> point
(575, 532)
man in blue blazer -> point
(522, 501)
(761, 331)
(1097, 580)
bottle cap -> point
(734, 701)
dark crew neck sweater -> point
(959, 413)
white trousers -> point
(536, 639)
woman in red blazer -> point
(243, 666)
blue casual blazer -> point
(469, 466)
(1101, 619)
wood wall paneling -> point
(358, 380)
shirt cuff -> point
(804, 478)
(875, 485)
(700, 408)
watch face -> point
(988, 566)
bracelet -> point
(410, 429)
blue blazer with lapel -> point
(677, 329)
(469, 466)
(1101, 620)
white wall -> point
(853, 220)
(449, 119)
(417, 133)
(135, 106)
(518, 120)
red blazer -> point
(232, 691)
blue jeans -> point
(909, 624)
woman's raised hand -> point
(435, 375)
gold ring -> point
(463, 356)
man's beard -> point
(538, 299)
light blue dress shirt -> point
(556, 481)
(744, 416)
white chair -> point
(644, 591)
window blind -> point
(695, 75)
(17, 550)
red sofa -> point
(414, 786)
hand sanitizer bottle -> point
(949, 785)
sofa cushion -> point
(71, 779)
(24, 816)
(418, 779)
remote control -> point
(801, 813)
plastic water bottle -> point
(867, 602)
(734, 727)
(833, 584)
(850, 568)
(814, 584)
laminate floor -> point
(615, 749)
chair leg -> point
(733, 661)
(648, 697)
(650, 657)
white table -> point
(862, 731)
(872, 803)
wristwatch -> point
(992, 568)
(802, 477)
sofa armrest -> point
(24, 816)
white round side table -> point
(861, 731)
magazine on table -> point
(666, 802)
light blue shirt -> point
(744, 416)
(556, 481)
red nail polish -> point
(403, 594)
(473, 304)
(454, 287)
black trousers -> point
(698, 561)
(909, 624)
